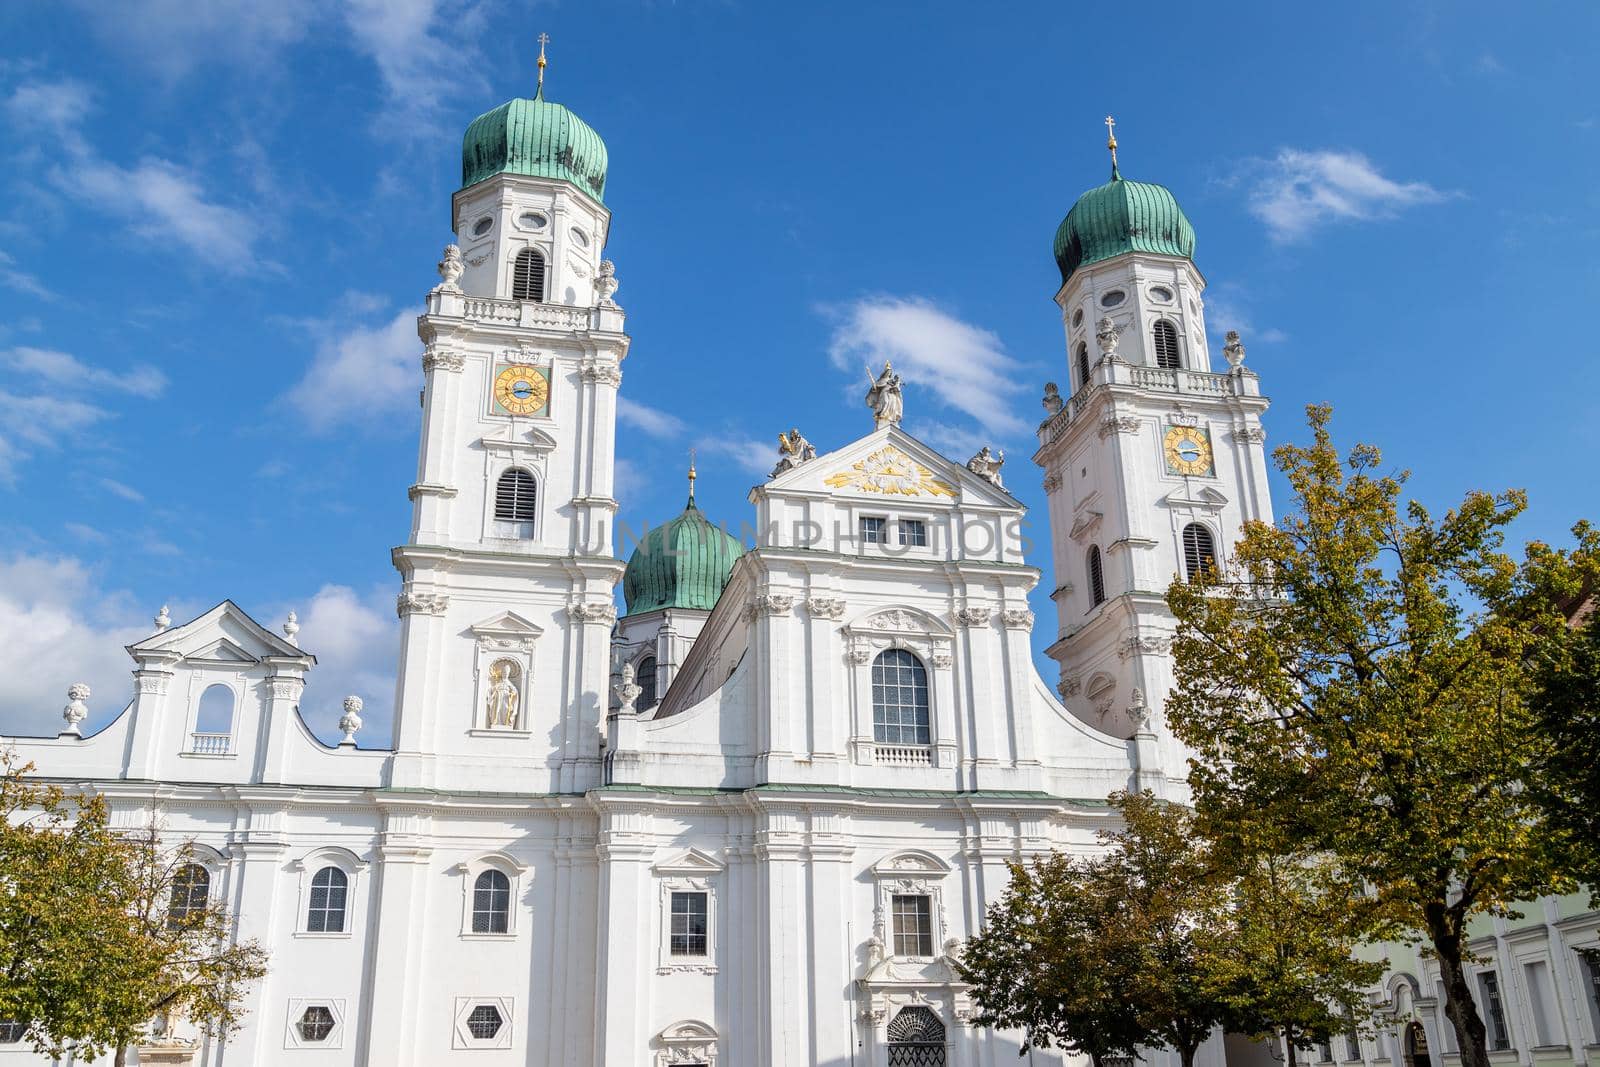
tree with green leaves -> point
(105, 937)
(1566, 698)
(1160, 940)
(1356, 688)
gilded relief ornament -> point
(892, 472)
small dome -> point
(537, 138)
(1122, 216)
(683, 564)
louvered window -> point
(527, 276)
(1083, 365)
(1166, 336)
(515, 502)
(1097, 580)
(1199, 550)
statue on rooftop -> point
(883, 397)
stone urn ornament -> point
(450, 269)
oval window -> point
(482, 226)
(1113, 298)
(532, 220)
(1077, 317)
(1161, 295)
(580, 238)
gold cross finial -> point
(544, 39)
(691, 476)
(1111, 142)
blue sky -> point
(217, 221)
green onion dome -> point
(683, 564)
(537, 138)
(1122, 216)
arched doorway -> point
(1416, 1046)
(916, 1039)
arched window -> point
(326, 913)
(191, 890)
(1199, 551)
(647, 684)
(527, 275)
(516, 501)
(1166, 338)
(1083, 364)
(213, 721)
(900, 699)
(491, 903)
(1416, 1046)
(1097, 578)
(916, 1039)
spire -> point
(544, 39)
(1111, 137)
(691, 477)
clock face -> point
(1188, 450)
(522, 390)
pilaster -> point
(393, 1000)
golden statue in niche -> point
(503, 697)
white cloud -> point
(1299, 191)
(165, 202)
(747, 453)
(356, 639)
(61, 368)
(61, 104)
(1229, 307)
(955, 442)
(365, 372)
(21, 280)
(126, 492)
(173, 37)
(40, 422)
(651, 420)
(419, 55)
(965, 366)
(57, 628)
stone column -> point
(256, 862)
(786, 1002)
(388, 1017)
(832, 959)
(622, 978)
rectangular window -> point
(873, 530)
(1589, 964)
(1542, 999)
(1324, 1052)
(913, 533)
(688, 924)
(1352, 1038)
(913, 925)
(1494, 1012)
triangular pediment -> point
(891, 465)
(224, 634)
(506, 624)
(690, 862)
(517, 438)
(1203, 498)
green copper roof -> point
(537, 138)
(683, 564)
(1122, 216)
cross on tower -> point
(544, 39)
(1111, 138)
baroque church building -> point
(749, 822)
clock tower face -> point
(1188, 451)
(522, 390)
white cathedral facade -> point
(747, 823)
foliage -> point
(1358, 691)
(1159, 940)
(91, 946)
(1566, 699)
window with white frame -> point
(1542, 1004)
(874, 530)
(315, 1022)
(12, 1031)
(913, 533)
(1589, 967)
(688, 912)
(1494, 1011)
(491, 903)
(325, 912)
(690, 923)
(1352, 1037)
(913, 924)
(483, 1022)
(190, 893)
(516, 503)
(900, 704)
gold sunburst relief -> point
(892, 472)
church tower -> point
(1152, 460)
(506, 608)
